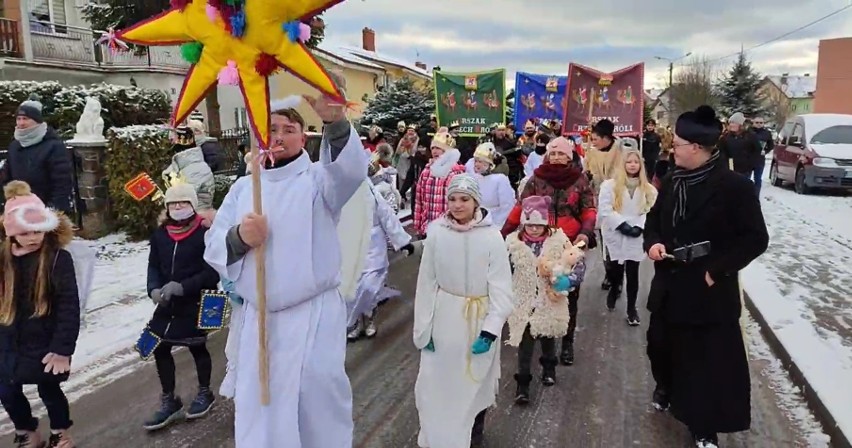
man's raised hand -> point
(254, 230)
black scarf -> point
(683, 179)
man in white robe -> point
(311, 398)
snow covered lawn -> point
(802, 288)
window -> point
(45, 15)
(240, 117)
(786, 131)
(834, 135)
(660, 115)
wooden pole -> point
(260, 279)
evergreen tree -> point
(402, 100)
(647, 111)
(510, 107)
(739, 90)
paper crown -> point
(184, 136)
(444, 141)
(485, 152)
(238, 43)
(455, 124)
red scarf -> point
(179, 233)
(559, 177)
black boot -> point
(522, 396)
(478, 431)
(171, 408)
(567, 355)
(705, 440)
(633, 318)
(613, 296)
(605, 285)
(548, 371)
(661, 399)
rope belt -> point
(474, 310)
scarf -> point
(683, 179)
(478, 216)
(443, 165)
(31, 136)
(181, 231)
(559, 177)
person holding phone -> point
(705, 226)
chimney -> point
(368, 38)
(421, 65)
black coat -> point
(744, 149)
(724, 210)
(212, 155)
(25, 343)
(651, 143)
(182, 262)
(46, 167)
(764, 137)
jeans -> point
(19, 410)
(166, 365)
(616, 279)
(757, 176)
(527, 348)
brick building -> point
(834, 77)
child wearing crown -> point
(177, 275)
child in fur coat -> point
(541, 314)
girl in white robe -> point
(498, 197)
(371, 286)
(464, 296)
(624, 202)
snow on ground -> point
(801, 286)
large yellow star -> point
(263, 34)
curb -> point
(814, 402)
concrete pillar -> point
(94, 189)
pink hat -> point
(25, 212)
(562, 145)
(535, 210)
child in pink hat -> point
(39, 314)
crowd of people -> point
(507, 234)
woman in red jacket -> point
(572, 210)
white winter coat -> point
(464, 286)
(190, 164)
(621, 247)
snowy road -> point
(602, 401)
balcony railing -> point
(9, 43)
(63, 43)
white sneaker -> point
(356, 331)
(371, 330)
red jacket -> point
(572, 209)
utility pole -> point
(671, 65)
(671, 73)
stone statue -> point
(90, 128)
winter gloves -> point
(627, 230)
(408, 248)
(483, 343)
(164, 295)
(430, 347)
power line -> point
(776, 39)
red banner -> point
(594, 95)
(140, 187)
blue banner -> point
(538, 98)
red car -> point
(814, 151)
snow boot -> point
(612, 297)
(61, 439)
(171, 409)
(567, 355)
(202, 404)
(28, 439)
(356, 331)
(522, 396)
(548, 371)
(633, 318)
(706, 440)
(661, 399)
(370, 329)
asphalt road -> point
(601, 401)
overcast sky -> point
(543, 36)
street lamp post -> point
(671, 65)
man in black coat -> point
(705, 227)
(740, 146)
(210, 147)
(38, 157)
(651, 143)
(765, 140)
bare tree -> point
(694, 85)
(777, 109)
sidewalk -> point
(800, 290)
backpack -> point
(84, 269)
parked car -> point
(814, 151)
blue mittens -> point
(430, 347)
(562, 283)
(482, 344)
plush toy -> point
(559, 273)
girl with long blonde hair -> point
(624, 202)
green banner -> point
(475, 100)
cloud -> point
(544, 36)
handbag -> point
(214, 311)
(147, 343)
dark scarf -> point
(683, 179)
(181, 230)
(559, 177)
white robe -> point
(371, 285)
(621, 247)
(454, 385)
(498, 197)
(534, 160)
(311, 398)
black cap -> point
(604, 128)
(700, 126)
(32, 109)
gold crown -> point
(455, 124)
(444, 140)
(172, 179)
(485, 152)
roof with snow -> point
(346, 56)
(384, 59)
(795, 86)
(653, 94)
